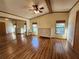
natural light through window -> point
(35, 29)
(60, 28)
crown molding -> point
(74, 5)
(48, 3)
(12, 14)
(51, 13)
(59, 11)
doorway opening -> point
(35, 28)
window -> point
(60, 27)
(35, 28)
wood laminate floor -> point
(21, 47)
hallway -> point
(22, 47)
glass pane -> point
(60, 25)
(60, 28)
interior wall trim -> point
(13, 19)
(60, 11)
(51, 13)
(12, 14)
(74, 5)
(43, 14)
(7, 17)
(48, 2)
(51, 38)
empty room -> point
(39, 29)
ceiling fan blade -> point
(42, 8)
(35, 7)
(41, 11)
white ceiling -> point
(22, 7)
(62, 5)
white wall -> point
(49, 21)
(9, 25)
(71, 24)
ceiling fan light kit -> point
(36, 9)
(36, 12)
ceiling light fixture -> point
(36, 12)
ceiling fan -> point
(36, 9)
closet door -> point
(2, 28)
(76, 36)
